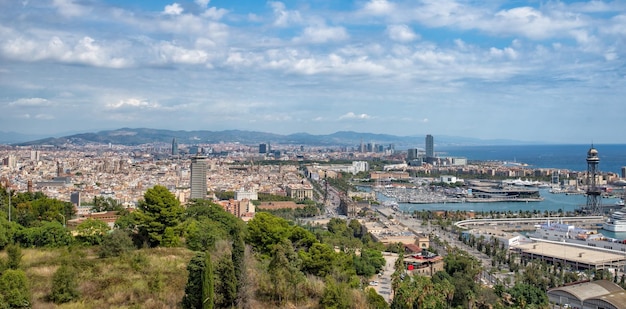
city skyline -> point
(525, 70)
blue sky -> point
(552, 71)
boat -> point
(616, 223)
(560, 232)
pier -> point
(528, 224)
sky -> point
(549, 71)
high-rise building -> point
(198, 177)
(412, 154)
(174, 147)
(430, 146)
(264, 148)
(34, 155)
(623, 172)
(75, 198)
(59, 169)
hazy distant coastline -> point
(137, 136)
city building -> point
(174, 147)
(412, 154)
(589, 294)
(300, 191)
(264, 148)
(248, 195)
(430, 146)
(238, 208)
(198, 182)
(575, 257)
(424, 263)
(75, 199)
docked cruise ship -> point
(561, 232)
(616, 223)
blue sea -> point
(570, 157)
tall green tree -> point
(101, 203)
(335, 295)
(238, 257)
(528, 294)
(266, 230)
(284, 269)
(226, 283)
(193, 289)
(208, 283)
(158, 211)
(319, 260)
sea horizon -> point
(570, 157)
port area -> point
(473, 194)
(529, 224)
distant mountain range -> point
(138, 136)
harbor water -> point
(551, 202)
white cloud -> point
(379, 7)
(214, 13)
(170, 53)
(282, 16)
(202, 3)
(132, 103)
(505, 52)
(301, 53)
(68, 8)
(31, 102)
(322, 34)
(401, 33)
(44, 116)
(351, 115)
(534, 24)
(84, 51)
(173, 9)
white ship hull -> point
(614, 227)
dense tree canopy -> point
(158, 211)
(91, 231)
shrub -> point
(115, 243)
(64, 285)
(14, 289)
(14, 254)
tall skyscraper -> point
(174, 147)
(264, 148)
(430, 146)
(198, 177)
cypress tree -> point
(226, 286)
(238, 256)
(193, 289)
(207, 283)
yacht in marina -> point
(617, 222)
